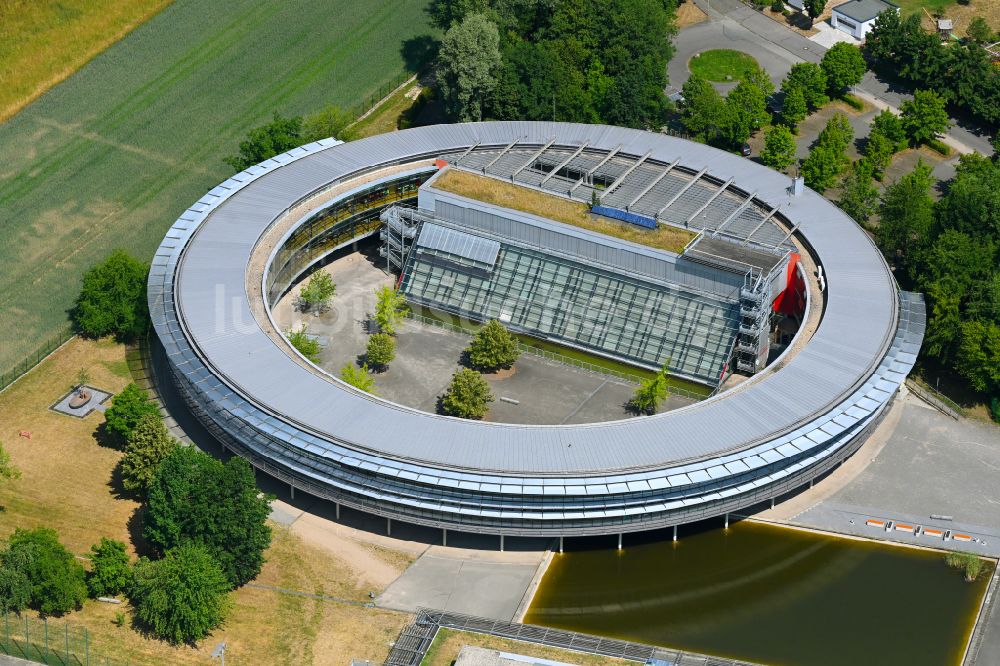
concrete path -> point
(485, 584)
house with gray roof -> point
(857, 17)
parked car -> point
(745, 150)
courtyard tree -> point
(305, 344)
(360, 378)
(181, 597)
(924, 117)
(112, 300)
(858, 197)
(794, 108)
(493, 348)
(381, 350)
(651, 392)
(147, 446)
(195, 498)
(110, 569)
(316, 295)
(264, 142)
(468, 395)
(811, 80)
(127, 409)
(55, 580)
(844, 66)
(469, 63)
(779, 147)
(390, 308)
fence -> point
(36, 357)
(560, 358)
(54, 643)
(372, 100)
(415, 639)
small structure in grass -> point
(468, 396)
(969, 563)
(493, 348)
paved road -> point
(777, 47)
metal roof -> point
(850, 343)
(451, 241)
(864, 10)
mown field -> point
(43, 42)
(111, 156)
(67, 484)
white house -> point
(857, 16)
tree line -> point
(963, 74)
(594, 61)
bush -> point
(181, 597)
(195, 498)
(995, 408)
(112, 300)
(359, 378)
(970, 563)
(56, 580)
(331, 122)
(381, 350)
(147, 446)
(316, 295)
(493, 348)
(127, 409)
(304, 343)
(777, 6)
(110, 569)
(853, 102)
(468, 396)
(939, 146)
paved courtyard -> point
(540, 391)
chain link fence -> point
(11, 374)
(58, 643)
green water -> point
(768, 595)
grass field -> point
(43, 42)
(717, 64)
(66, 485)
(112, 155)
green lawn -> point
(717, 64)
(910, 6)
(111, 156)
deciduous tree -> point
(651, 392)
(844, 66)
(147, 446)
(924, 117)
(112, 300)
(905, 217)
(127, 409)
(305, 344)
(110, 569)
(181, 597)
(264, 142)
(779, 147)
(469, 64)
(468, 395)
(195, 498)
(359, 378)
(811, 80)
(390, 308)
(56, 579)
(315, 296)
(858, 197)
(794, 108)
(493, 348)
(381, 350)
